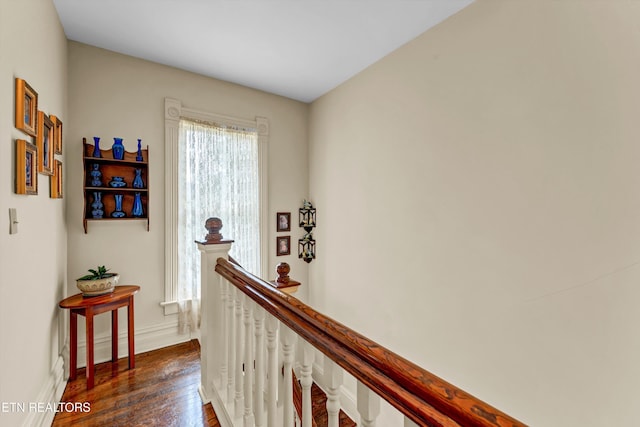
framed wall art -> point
(57, 134)
(44, 142)
(283, 221)
(283, 245)
(26, 164)
(55, 180)
(26, 107)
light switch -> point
(13, 221)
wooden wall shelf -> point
(109, 168)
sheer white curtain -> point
(219, 176)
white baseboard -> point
(146, 339)
(51, 393)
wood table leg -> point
(90, 367)
(114, 335)
(130, 334)
(73, 357)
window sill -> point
(170, 307)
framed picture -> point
(44, 142)
(283, 245)
(55, 180)
(26, 107)
(26, 164)
(57, 134)
(283, 221)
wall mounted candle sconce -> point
(307, 220)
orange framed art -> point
(26, 107)
(26, 165)
(44, 142)
(55, 180)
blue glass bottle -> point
(137, 210)
(96, 147)
(139, 155)
(118, 149)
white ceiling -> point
(300, 49)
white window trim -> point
(173, 112)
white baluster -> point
(258, 316)
(288, 339)
(223, 349)
(368, 406)
(409, 423)
(247, 310)
(333, 375)
(306, 381)
(239, 393)
(231, 321)
(272, 370)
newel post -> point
(212, 247)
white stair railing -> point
(241, 371)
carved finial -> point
(283, 270)
(213, 225)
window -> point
(241, 142)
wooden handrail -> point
(420, 395)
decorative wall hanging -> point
(122, 183)
(283, 221)
(26, 108)
(44, 141)
(26, 164)
(283, 245)
(307, 220)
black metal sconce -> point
(307, 220)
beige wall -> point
(478, 206)
(32, 262)
(116, 95)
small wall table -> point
(122, 296)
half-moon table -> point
(122, 296)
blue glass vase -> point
(137, 210)
(137, 181)
(118, 212)
(118, 149)
(96, 147)
(97, 205)
(139, 155)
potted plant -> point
(99, 282)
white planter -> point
(98, 286)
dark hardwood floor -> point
(162, 390)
